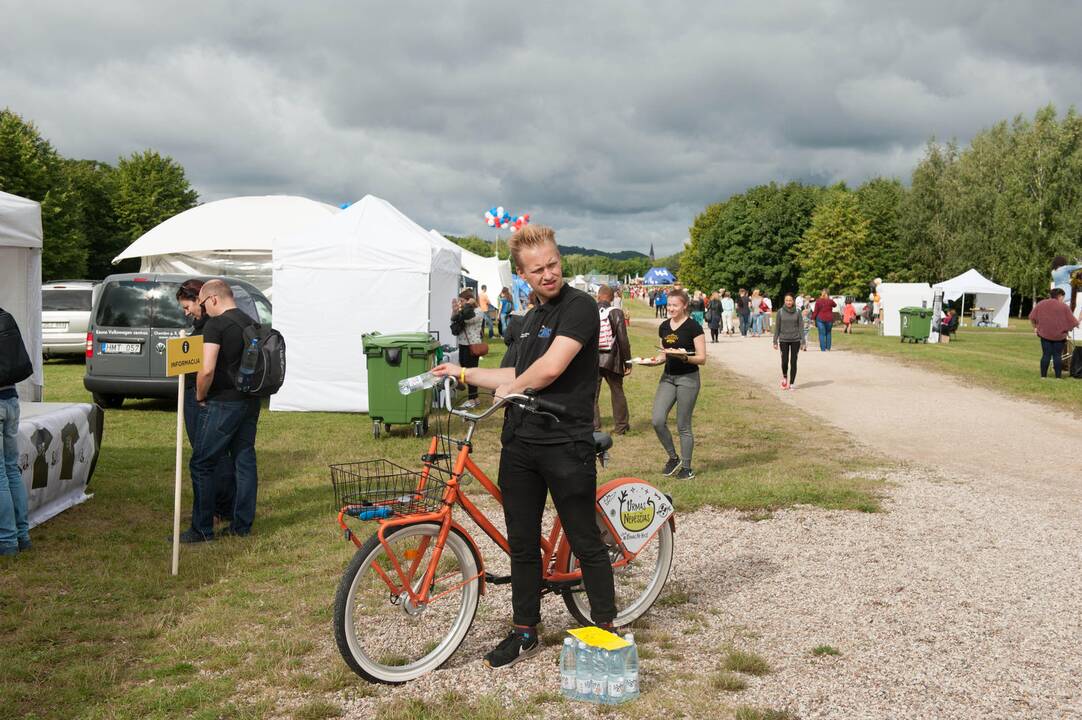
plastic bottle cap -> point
(567, 641)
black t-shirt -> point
(41, 439)
(69, 435)
(226, 330)
(743, 304)
(682, 337)
(572, 314)
(197, 329)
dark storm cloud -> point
(615, 122)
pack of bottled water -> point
(593, 674)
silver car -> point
(65, 316)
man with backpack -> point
(614, 350)
(15, 366)
(227, 418)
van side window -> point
(124, 304)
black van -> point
(133, 316)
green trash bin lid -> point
(922, 312)
(422, 340)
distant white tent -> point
(369, 268)
(491, 272)
(996, 298)
(226, 237)
(895, 296)
(20, 280)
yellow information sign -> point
(183, 355)
(597, 637)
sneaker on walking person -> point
(516, 647)
(784, 383)
(685, 473)
(671, 466)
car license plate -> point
(112, 348)
(54, 326)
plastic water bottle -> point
(631, 669)
(248, 362)
(376, 513)
(568, 668)
(418, 382)
(599, 676)
(614, 672)
(583, 666)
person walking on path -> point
(1052, 320)
(683, 350)
(743, 309)
(614, 350)
(849, 314)
(823, 312)
(713, 316)
(14, 517)
(487, 310)
(556, 355)
(662, 303)
(728, 313)
(698, 307)
(507, 305)
(466, 314)
(228, 418)
(789, 337)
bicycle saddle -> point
(602, 442)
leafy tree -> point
(926, 226)
(93, 183)
(833, 253)
(879, 200)
(31, 167)
(149, 189)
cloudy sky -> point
(615, 121)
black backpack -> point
(270, 369)
(15, 365)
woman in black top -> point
(683, 350)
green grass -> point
(94, 626)
(728, 682)
(745, 661)
(1005, 359)
(821, 650)
(752, 713)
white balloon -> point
(499, 211)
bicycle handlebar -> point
(527, 401)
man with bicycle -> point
(556, 357)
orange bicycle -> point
(410, 593)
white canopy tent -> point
(20, 280)
(226, 237)
(988, 294)
(369, 268)
(895, 296)
(489, 271)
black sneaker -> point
(190, 536)
(685, 474)
(229, 531)
(512, 649)
(671, 466)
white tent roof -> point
(240, 223)
(20, 279)
(489, 271)
(367, 269)
(971, 282)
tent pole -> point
(962, 315)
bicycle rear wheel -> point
(637, 583)
(381, 635)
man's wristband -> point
(462, 376)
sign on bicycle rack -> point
(635, 510)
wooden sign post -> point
(182, 355)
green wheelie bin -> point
(916, 324)
(390, 358)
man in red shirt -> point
(823, 314)
(1052, 320)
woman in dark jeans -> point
(823, 313)
(1052, 321)
(467, 313)
(225, 481)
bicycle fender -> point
(634, 511)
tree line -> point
(90, 210)
(1006, 204)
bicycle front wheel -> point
(382, 635)
(637, 584)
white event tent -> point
(988, 294)
(226, 237)
(20, 280)
(366, 269)
(489, 271)
(895, 296)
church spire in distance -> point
(651, 254)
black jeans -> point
(789, 351)
(1052, 350)
(467, 359)
(528, 472)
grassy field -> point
(95, 627)
(1002, 359)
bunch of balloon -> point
(497, 218)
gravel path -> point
(962, 600)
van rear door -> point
(121, 327)
(167, 320)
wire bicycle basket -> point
(376, 489)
